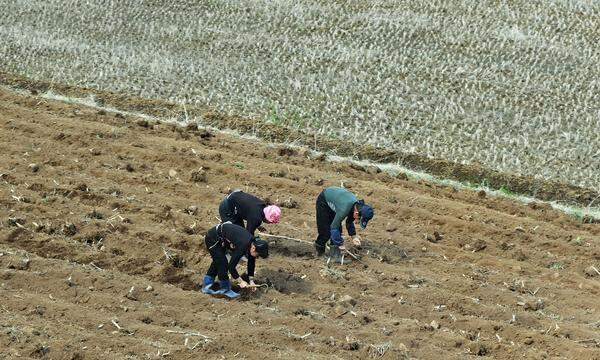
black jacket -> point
(236, 239)
(249, 208)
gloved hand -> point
(242, 283)
(246, 282)
(252, 285)
(356, 240)
(336, 237)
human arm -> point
(350, 224)
(248, 280)
(236, 256)
(252, 223)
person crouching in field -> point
(334, 204)
(231, 237)
(239, 206)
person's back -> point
(247, 206)
(333, 205)
(239, 206)
(236, 237)
(339, 200)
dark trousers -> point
(219, 263)
(227, 213)
(325, 217)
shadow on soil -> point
(285, 282)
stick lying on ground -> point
(256, 286)
(189, 333)
(301, 241)
(351, 254)
(284, 237)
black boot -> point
(320, 250)
(336, 255)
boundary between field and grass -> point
(575, 201)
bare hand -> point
(243, 284)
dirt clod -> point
(34, 167)
(82, 187)
(520, 255)
(192, 210)
(287, 151)
(40, 351)
(16, 221)
(22, 264)
(278, 174)
(204, 135)
(592, 271)
(199, 175)
(289, 204)
(351, 346)
(402, 176)
(534, 305)
(435, 237)
(347, 301)
(479, 245)
(478, 349)
(133, 294)
(69, 229)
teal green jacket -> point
(341, 201)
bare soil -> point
(96, 231)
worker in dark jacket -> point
(231, 237)
(334, 204)
(239, 206)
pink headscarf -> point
(272, 214)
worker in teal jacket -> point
(334, 204)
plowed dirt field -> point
(101, 254)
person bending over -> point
(239, 206)
(239, 241)
(334, 204)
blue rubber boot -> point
(207, 284)
(226, 290)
